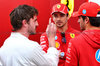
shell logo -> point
(69, 4)
(72, 35)
(57, 44)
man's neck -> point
(23, 33)
(93, 28)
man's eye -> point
(62, 15)
(35, 20)
(55, 15)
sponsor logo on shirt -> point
(55, 37)
(72, 35)
(97, 55)
(68, 55)
(57, 44)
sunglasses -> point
(63, 37)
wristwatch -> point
(62, 54)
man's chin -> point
(59, 26)
(82, 29)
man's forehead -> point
(34, 17)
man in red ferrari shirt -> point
(84, 50)
(64, 31)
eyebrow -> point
(35, 19)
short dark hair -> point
(20, 13)
(94, 21)
(83, 17)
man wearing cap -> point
(64, 31)
(84, 50)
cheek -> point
(32, 25)
(64, 20)
(55, 20)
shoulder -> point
(75, 31)
(76, 38)
(72, 30)
(44, 33)
(33, 43)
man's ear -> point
(87, 20)
(24, 22)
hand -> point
(51, 32)
(51, 29)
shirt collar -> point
(18, 35)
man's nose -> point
(37, 23)
(58, 18)
(78, 21)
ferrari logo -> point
(69, 4)
(58, 6)
(72, 35)
(64, 1)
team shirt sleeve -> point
(44, 42)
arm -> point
(50, 58)
(45, 59)
(71, 55)
(44, 42)
(51, 33)
(48, 39)
(1, 64)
